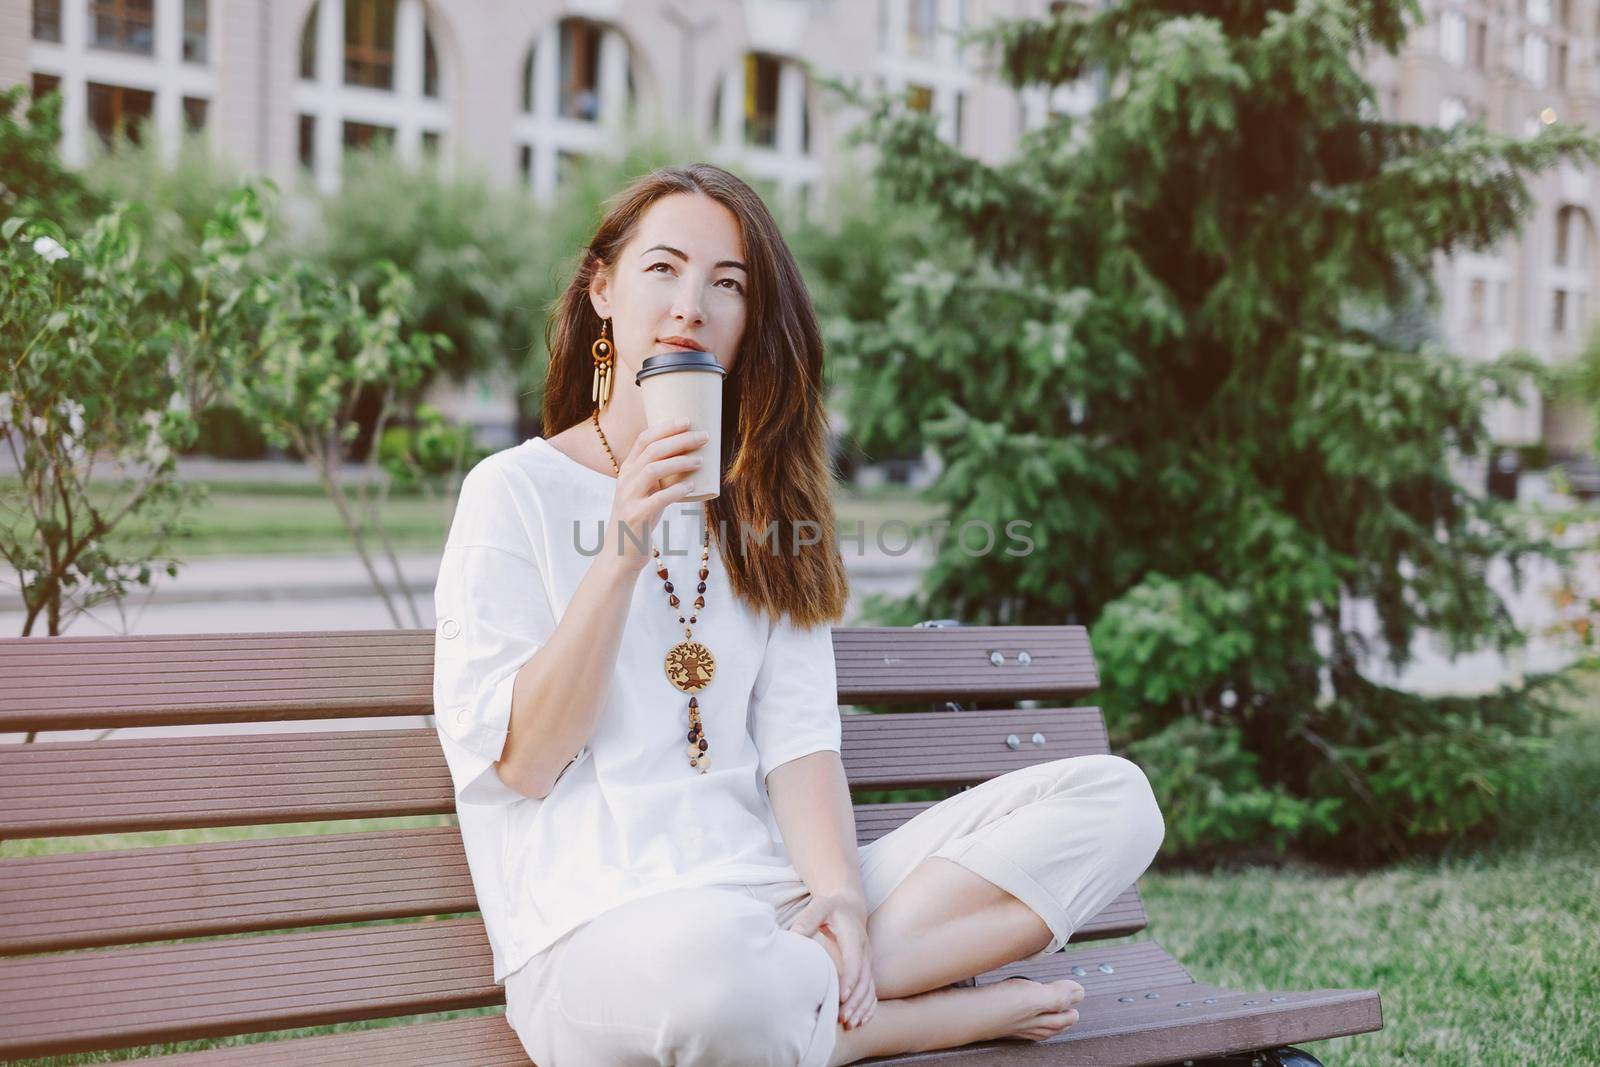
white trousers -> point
(710, 977)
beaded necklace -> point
(690, 665)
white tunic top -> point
(629, 817)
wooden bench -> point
(125, 948)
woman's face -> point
(682, 276)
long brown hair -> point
(775, 465)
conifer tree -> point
(1164, 334)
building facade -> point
(522, 89)
(1517, 66)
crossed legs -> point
(941, 924)
(1064, 838)
(1003, 871)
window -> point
(919, 98)
(194, 113)
(430, 143)
(1560, 69)
(194, 31)
(369, 43)
(1572, 238)
(580, 70)
(430, 64)
(921, 23)
(527, 80)
(115, 110)
(525, 162)
(1452, 111)
(1477, 293)
(365, 135)
(1453, 38)
(308, 142)
(1535, 58)
(1558, 312)
(123, 25)
(961, 118)
(308, 45)
(761, 99)
(1480, 44)
(47, 20)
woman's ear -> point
(599, 292)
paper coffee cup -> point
(688, 385)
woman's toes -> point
(1067, 993)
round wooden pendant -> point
(690, 666)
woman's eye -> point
(732, 284)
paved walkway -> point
(331, 592)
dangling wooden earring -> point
(604, 358)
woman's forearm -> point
(810, 799)
(558, 694)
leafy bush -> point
(33, 181)
(1212, 794)
(432, 448)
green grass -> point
(1485, 956)
(300, 520)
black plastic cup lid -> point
(685, 360)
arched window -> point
(371, 73)
(761, 118)
(576, 79)
(764, 102)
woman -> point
(669, 874)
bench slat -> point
(56, 788)
(1103, 1036)
(66, 683)
(239, 985)
(242, 985)
(97, 899)
(1110, 1032)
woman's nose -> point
(688, 309)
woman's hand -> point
(657, 453)
(842, 918)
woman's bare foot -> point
(953, 1016)
(1037, 1009)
